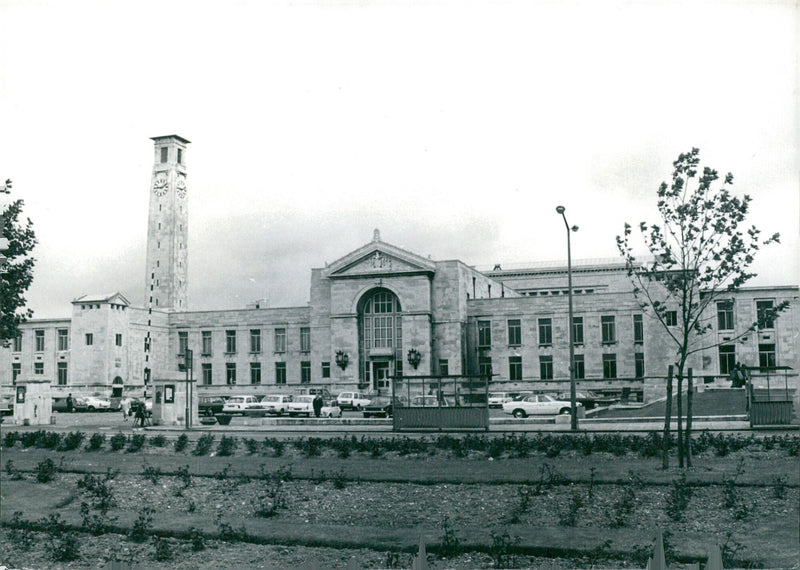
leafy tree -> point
(701, 253)
(16, 274)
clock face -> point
(160, 186)
(181, 184)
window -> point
(485, 366)
(305, 339)
(609, 329)
(609, 366)
(183, 342)
(514, 333)
(164, 153)
(577, 330)
(206, 343)
(305, 372)
(765, 319)
(17, 343)
(255, 341)
(230, 342)
(89, 339)
(725, 315)
(180, 156)
(230, 373)
(326, 369)
(444, 367)
(280, 340)
(39, 334)
(545, 332)
(118, 339)
(16, 369)
(727, 358)
(671, 318)
(206, 374)
(546, 367)
(638, 329)
(515, 368)
(38, 368)
(382, 332)
(255, 373)
(63, 339)
(484, 334)
(639, 364)
(62, 373)
(766, 355)
(580, 371)
(280, 373)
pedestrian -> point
(125, 406)
(138, 416)
(317, 404)
(70, 403)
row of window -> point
(515, 372)
(727, 357)
(165, 155)
(207, 373)
(278, 341)
(608, 330)
(62, 336)
(38, 370)
(763, 314)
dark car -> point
(382, 407)
(588, 399)
(210, 405)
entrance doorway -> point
(381, 376)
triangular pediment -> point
(115, 298)
(379, 258)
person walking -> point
(70, 403)
(125, 406)
(317, 404)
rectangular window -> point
(164, 154)
(671, 318)
(639, 364)
(609, 329)
(727, 358)
(382, 327)
(485, 366)
(305, 339)
(230, 342)
(230, 373)
(39, 333)
(577, 330)
(546, 367)
(18, 343)
(63, 339)
(766, 355)
(180, 156)
(326, 369)
(255, 373)
(118, 339)
(280, 373)
(638, 329)
(280, 340)
(545, 332)
(89, 339)
(484, 334)
(765, 320)
(206, 374)
(444, 367)
(16, 370)
(725, 315)
(609, 366)
(580, 370)
(62, 373)
(38, 368)
(514, 368)
(183, 342)
(514, 332)
(305, 372)
(206, 343)
(255, 341)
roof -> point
(181, 139)
(102, 298)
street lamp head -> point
(560, 209)
(574, 228)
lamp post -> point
(573, 407)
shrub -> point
(20, 532)
(204, 445)
(450, 544)
(502, 550)
(46, 470)
(678, 498)
(196, 539)
(65, 549)
(10, 439)
(227, 445)
(181, 442)
(12, 472)
(779, 487)
(30, 438)
(96, 441)
(252, 445)
(142, 525)
(569, 517)
(228, 533)
(163, 549)
(278, 447)
(72, 441)
(622, 508)
(184, 475)
(151, 473)
(137, 442)
(158, 440)
(48, 439)
(118, 441)
(99, 489)
(339, 480)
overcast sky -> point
(453, 127)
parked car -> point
(352, 400)
(331, 409)
(429, 402)
(238, 404)
(92, 404)
(301, 406)
(588, 399)
(541, 404)
(497, 399)
(383, 406)
(6, 406)
(274, 404)
(210, 405)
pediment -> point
(378, 258)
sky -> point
(455, 128)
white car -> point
(95, 404)
(541, 404)
(238, 404)
(331, 409)
(301, 406)
(352, 400)
(277, 404)
(497, 399)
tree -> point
(16, 274)
(701, 254)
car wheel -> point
(90, 409)
(564, 411)
(519, 413)
(358, 408)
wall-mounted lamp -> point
(414, 357)
(342, 359)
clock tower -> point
(167, 227)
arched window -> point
(380, 326)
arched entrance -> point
(116, 388)
(380, 339)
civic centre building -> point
(378, 313)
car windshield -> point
(304, 399)
(271, 399)
(235, 400)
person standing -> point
(317, 404)
(125, 406)
(70, 403)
